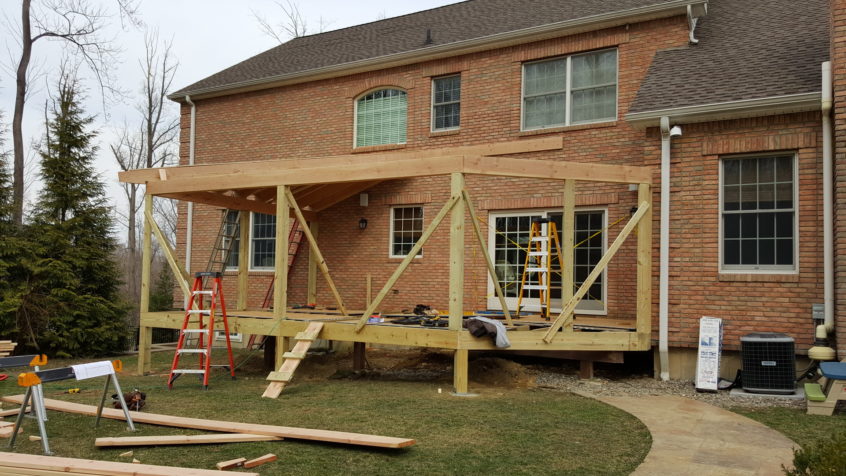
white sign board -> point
(708, 359)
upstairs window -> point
(446, 103)
(572, 90)
(381, 118)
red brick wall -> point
(838, 64)
(316, 119)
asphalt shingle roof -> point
(748, 49)
(449, 24)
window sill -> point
(577, 127)
(450, 132)
(377, 148)
(758, 278)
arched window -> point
(381, 118)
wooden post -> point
(568, 227)
(644, 270)
(145, 337)
(176, 268)
(312, 267)
(459, 370)
(280, 270)
(243, 259)
(359, 358)
(585, 369)
(456, 254)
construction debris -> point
(7, 347)
(135, 461)
(183, 439)
(268, 458)
(17, 463)
(126, 454)
(34, 438)
(232, 463)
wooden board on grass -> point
(183, 439)
(15, 463)
(228, 427)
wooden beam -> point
(407, 261)
(485, 253)
(594, 274)
(280, 270)
(568, 227)
(456, 255)
(460, 370)
(145, 334)
(555, 169)
(308, 193)
(644, 269)
(321, 262)
(344, 192)
(243, 260)
(268, 458)
(230, 202)
(178, 271)
(168, 440)
(227, 426)
(234, 168)
(24, 464)
(311, 286)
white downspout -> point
(828, 199)
(189, 234)
(664, 249)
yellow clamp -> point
(28, 379)
(38, 360)
(118, 365)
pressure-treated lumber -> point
(311, 286)
(456, 255)
(292, 360)
(567, 312)
(13, 411)
(268, 458)
(183, 439)
(283, 225)
(232, 463)
(644, 268)
(484, 252)
(321, 262)
(407, 261)
(24, 464)
(549, 169)
(568, 226)
(178, 271)
(228, 427)
(243, 263)
(145, 335)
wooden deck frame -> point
(322, 181)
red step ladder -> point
(205, 334)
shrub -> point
(824, 458)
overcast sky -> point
(207, 35)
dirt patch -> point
(498, 372)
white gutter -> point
(828, 198)
(189, 234)
(664, 249)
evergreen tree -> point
(68, 299)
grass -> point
(796, 424)
(526, 431)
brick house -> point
(720, 99)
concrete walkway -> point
(694, 438)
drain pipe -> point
(189, 234)
(667, 134)
(828, 198)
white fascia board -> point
(729, 110)
(499, 40)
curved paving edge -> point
(692, 437)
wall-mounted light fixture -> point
(362, 224)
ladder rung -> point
(195, 331)
(537, 287)
(192, 351)
(188, 371)
(536, 270)
(538, 253)
(205, 312)
(292, 355)
(206, 293)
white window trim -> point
(432, 108)
(768, 269)
(250, 266)
(493, 300)
(233, 336)
(355, 116)
(568, 91)
(391, 230)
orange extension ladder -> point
(205, 334)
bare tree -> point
(79, 25)
(292, 23)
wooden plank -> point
(406, 261)
(228, 427)
(243, 260)
(268, 458)
(145, 336)
(460, 370)
(280, 269)
(555, 169)
(486, 254)
(169, 440)
(321, 262)
(233, 168)
(216, 199)
(11, 412)
(291, 362)
(280, 376)
(644, 269)
(19, 463)
(311, 286)
(456, 255)
(568, 227)
(176, 268)
(232, 463)
(567, 312)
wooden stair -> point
(292, 360)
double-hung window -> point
(571, 90)
(263, 241)
(380, 118)
(446, 103)
(759, 213)
(406, 229)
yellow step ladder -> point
(543, 245)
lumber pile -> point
(23, 464)
(7, 347)
(229, 427)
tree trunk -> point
(17, 118)
(132, 246)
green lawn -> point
(797, 425)
(502, 431)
